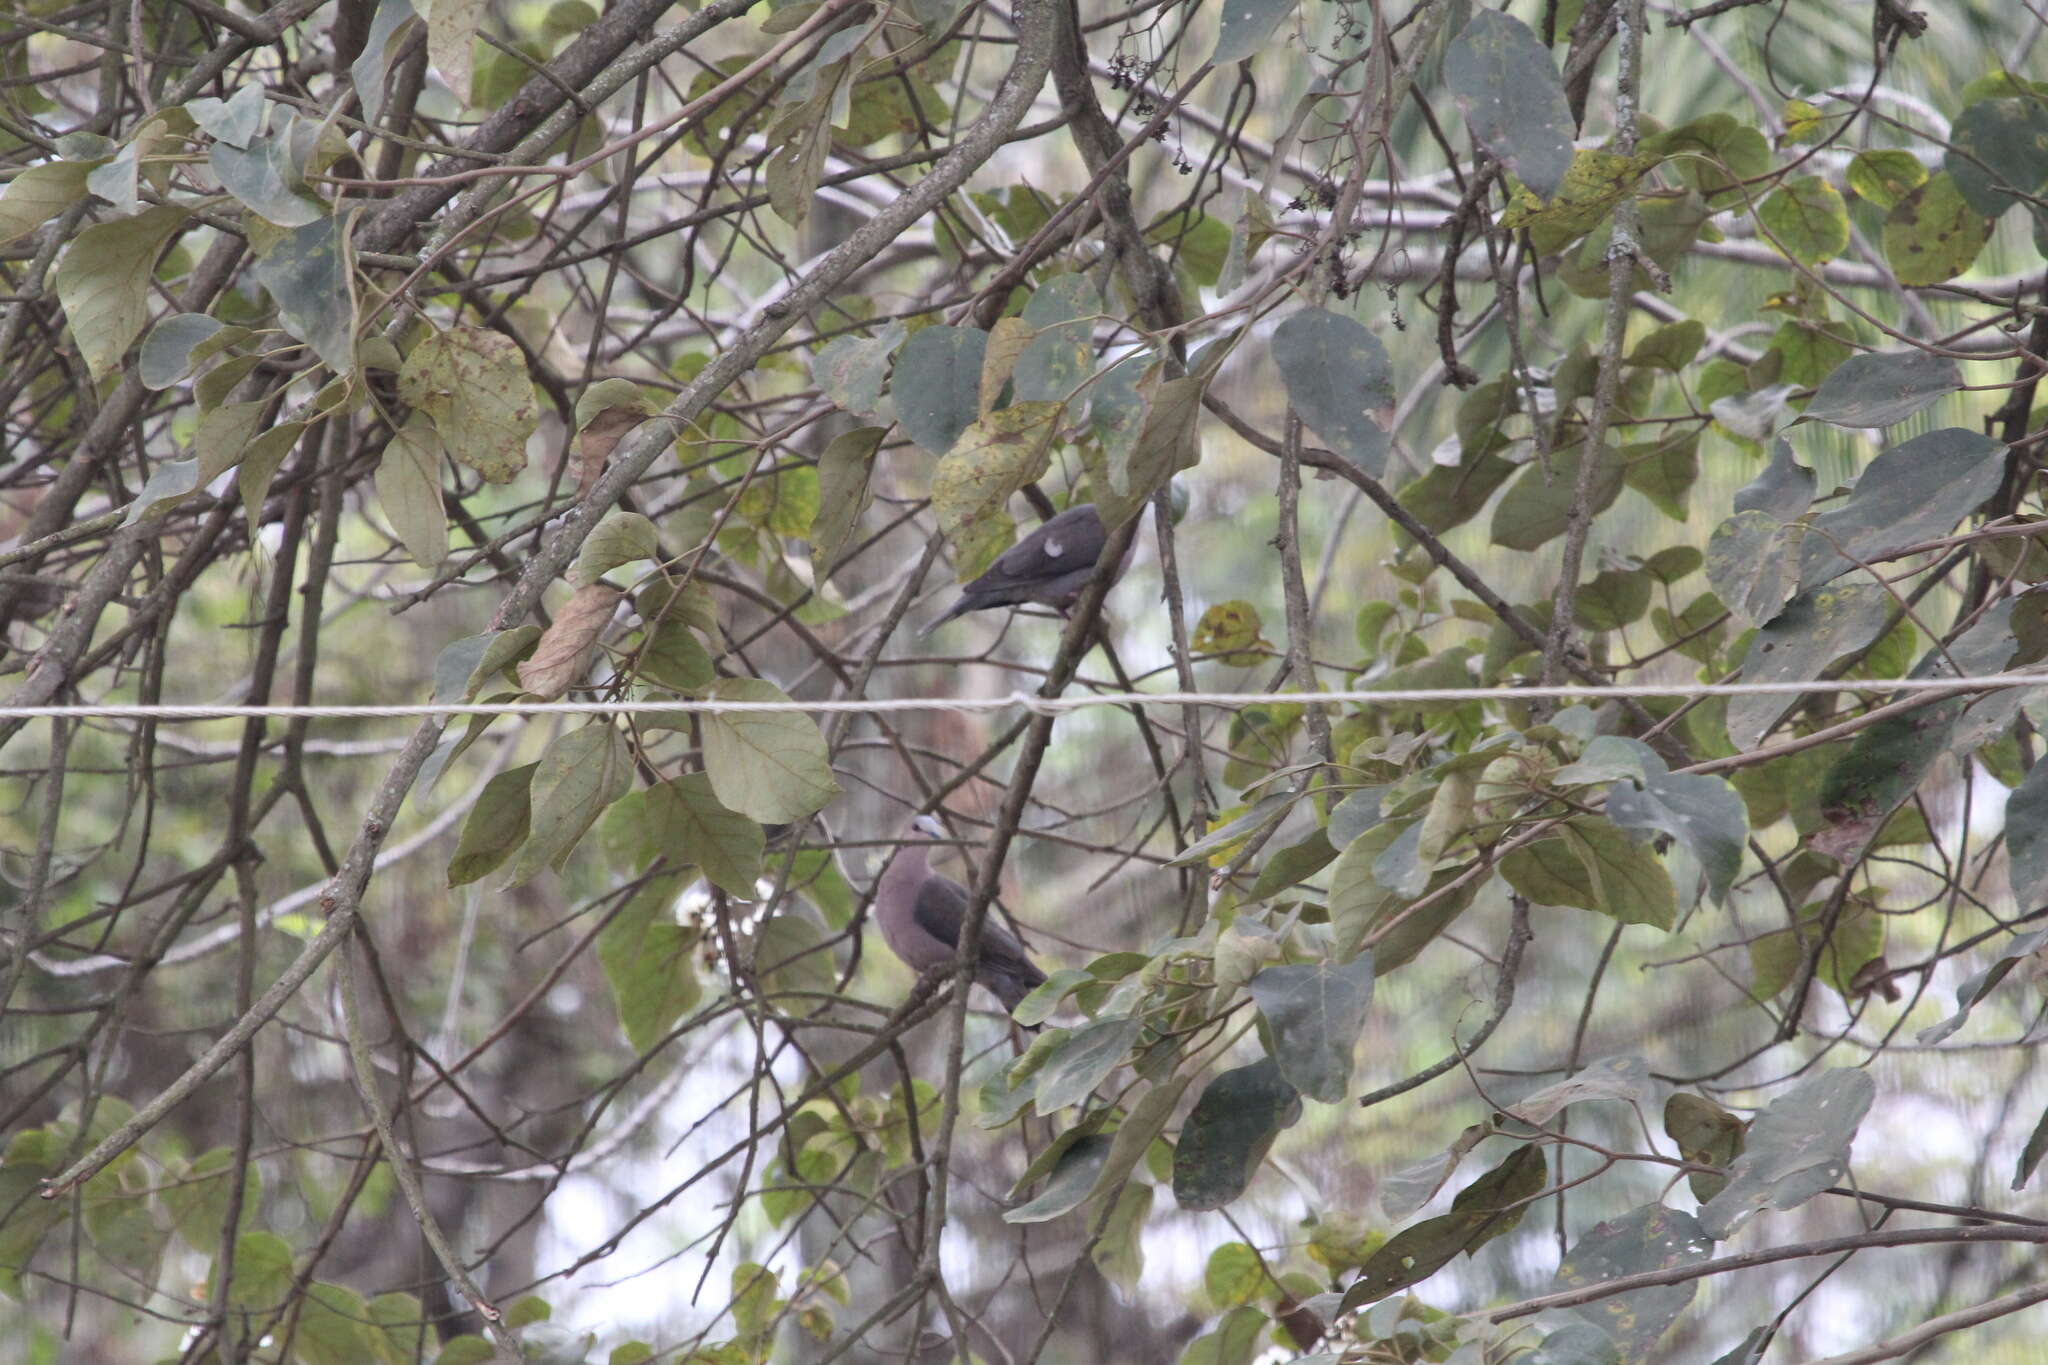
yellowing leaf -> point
(473, 384)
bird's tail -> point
(959, 608)
(1012, 983)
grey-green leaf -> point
(1246, 26)
(1814, 630)
(1882, 387)
(166, 355)
(1699, 810)
(937, 384)
(1056, 361)
(263, 176)
(1339, 379)
(1316, 1011)
(1072, 1178)
(307, 273)
(1910, 493)
(1648, 1238)
(1796, 1148)
(1982, 983)
(1999, 146)
(1089, 1053)
(1513, 98)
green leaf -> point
(1594, 866)
(1884, 175)
(1245, 27)
(1072, 1178)
(937, 384)
(1670, 347)
(1796, 1148)
(1227, 1134)
(2031, 1154)
(1612, 599)
(990, 459)
(1316, 1012)
(473, 384)
(1814, 630)
(1227, 628)
(1910, 493)
(1855, 940)
(1713, 155)
(38, 194)
(1234, 1275)
(1339, 379)
(1234, 1342)
(409, 491)
(791, 954)
(262, 1280)
(1707, 1135)
(307, 272)
(1120, 1251)
(496, 825)
(1808, 218)
(1881, 388)
(1513, 98)
(1700, 811)
(686, 824)
(1056, 362)
(1643, 1239)
(843, 493)
(578, 776)
(334, 1327)
(261, 460)
(649, 963)
(1536, 507)
(769, 766)
(1483, 1210)
(1933, 234)
(1087, 1055)
(620, 538)
(1888, 760)
(103, 283)
(1998, 149)
(1447, 496)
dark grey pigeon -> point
(1050, 567)
(920, 914)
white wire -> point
(176, 711)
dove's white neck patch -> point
(1052, 549)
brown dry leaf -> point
(594, 443)
(564, 651)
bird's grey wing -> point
(942, 908)
(1071, 542)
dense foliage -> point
(1587, 354)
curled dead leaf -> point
(564, 651)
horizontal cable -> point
(175, 711)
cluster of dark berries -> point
(1321, 192)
